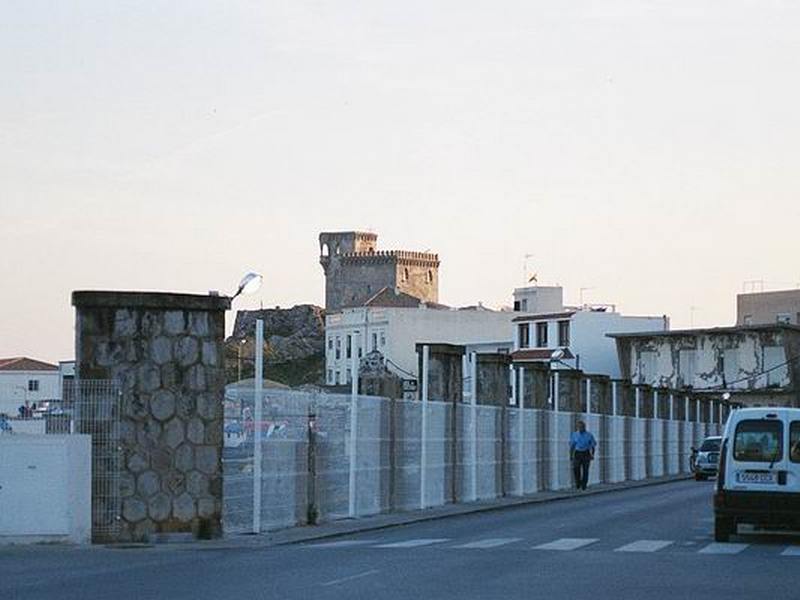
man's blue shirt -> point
(581, 441)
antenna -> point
(692, 310)
(580, 293)
(525, 280)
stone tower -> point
(355, 270)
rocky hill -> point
(294, 345)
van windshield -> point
(710, 445)
(758, 441)
(794, 441)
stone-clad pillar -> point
(445, 377)
(166, 352)
(494, 385)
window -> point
(775, 367)
(758, 441)
(430, 276)
(330, 343)
(374, 342)
(338, 348)
(349, 351)
(794, 441)
(563, 333)
(710, 445)
(524, 335)
(383, 339)
(349, 376)
(337, 378)
(33, 385)
(541, 335)
(784, 318)
(405, 274)
(730, 365)
(330, 376)
(686, 367)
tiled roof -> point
(23, 363)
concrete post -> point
(521, 436)
(614, 398)
(638, 393)
(352, 481)
(423, 488)
(671, 406)
(473, 430)
(655, 404)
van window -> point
(758, 441)
(794, 441)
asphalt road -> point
(653, 542)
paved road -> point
(652, 543)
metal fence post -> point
(423, 488)
(351, 487)
(259, 419)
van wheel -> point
(724, 528)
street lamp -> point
(557, 356)
(249, 284)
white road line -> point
(566, 544)
(717, 548)
(644, 546)
(341, 544)
(490, 543)
(414, 543)
(350, 578)
(791, 551)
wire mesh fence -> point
(320, 461)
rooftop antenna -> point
(580, 293)
(692, 310)
(525, 279)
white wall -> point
(45, 488)
(14, 389)
(589, 339)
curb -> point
(410, 518)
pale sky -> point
(646, 150)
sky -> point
(647, 151)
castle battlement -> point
(355, 270)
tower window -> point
(430, 276)
(325, 249)
(405, 274)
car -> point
(759, 471)
(705, 458)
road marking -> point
(717, 548)
(644, 546)
(350, 578)
(414, 543)
(490, 543)
(342, 544)
(791, 551)
(566, 544)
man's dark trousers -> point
(580, 468)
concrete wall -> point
(165, 350)
(45, 488)
(764, 308)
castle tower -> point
(355, 270)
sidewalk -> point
(296, 535)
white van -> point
(759, 471)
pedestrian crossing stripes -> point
(561, 545)
(645, 546)
(723, 548)
(566, 544)
(490, 543)
(414, 543)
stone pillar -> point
(166, 353)
(536, 384)
(493, 379)
(445, 372)
(570, 383)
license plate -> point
(745, 477)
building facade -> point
(355, 270)
(28, 380)
(765, 308)
(395, 332)
(582, 334)
(758, 365)
(539, 299)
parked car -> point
(705, 459)
(759, 471)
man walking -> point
(581, 450)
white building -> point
(582, 333)
(395, 331)
(28, 380)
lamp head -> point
(249, 284)
(557, 354)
